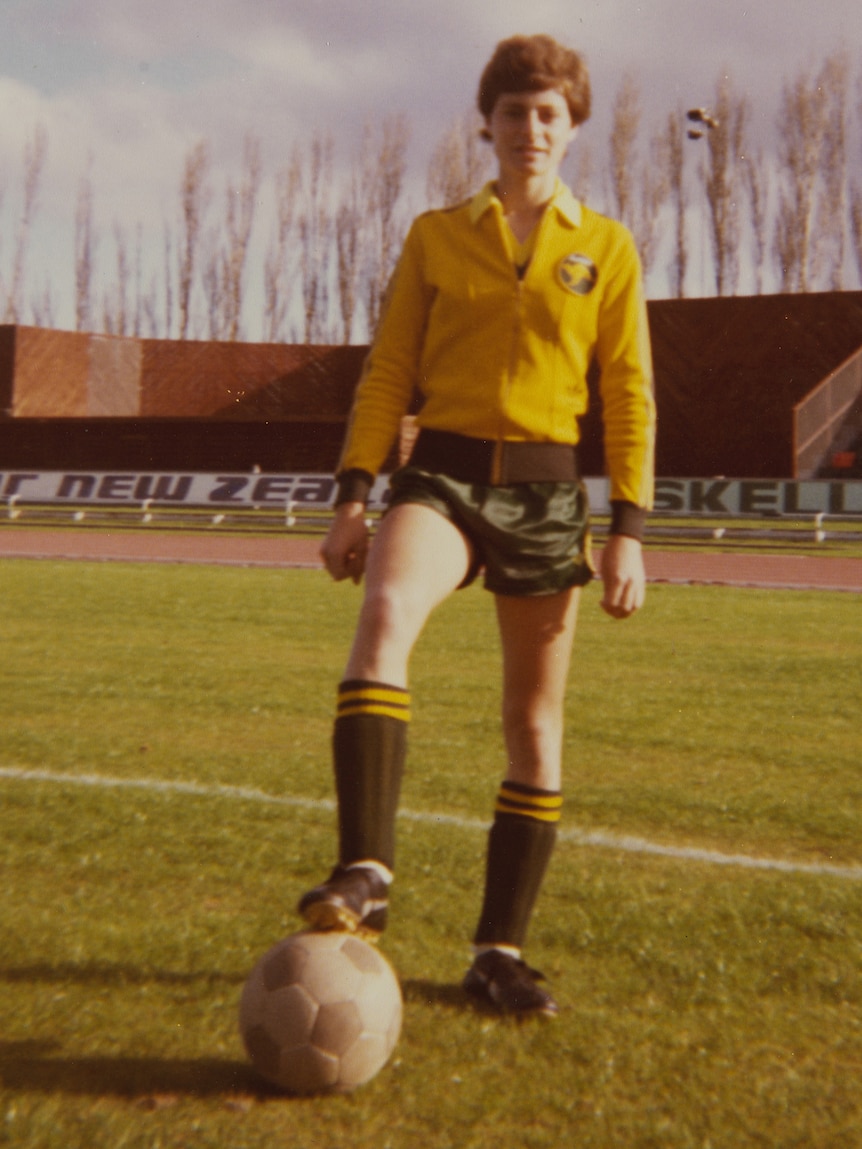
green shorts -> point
(530, 538)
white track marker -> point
(596, 839)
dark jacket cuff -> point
(628, 519)
(354, 486)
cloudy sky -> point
(124, 88)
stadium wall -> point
(736, 378)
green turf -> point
(703, 1005)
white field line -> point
(597, 839)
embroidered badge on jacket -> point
(578, 274)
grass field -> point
(165, 792)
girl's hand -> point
(623, 575)
(346, 544)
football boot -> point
(507, 984)
(353, 899)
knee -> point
(389, 624)
(385, 613)
(530, 718)
(533, 733)
(390, 620)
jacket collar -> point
(563, 202)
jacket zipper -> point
(517, 327)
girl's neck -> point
(524, 201)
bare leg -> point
(537, 635)
(417, 559)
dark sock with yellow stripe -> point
(369, 745)
(520, 845)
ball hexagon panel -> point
(338, 1026)
(364, 957)
(329, 978)
(308, 1070)
(380, 995)
(283, 965)
(264, 1051)
(365, 1057)
(289, 1015)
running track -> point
(754, 570)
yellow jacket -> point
(503, 357)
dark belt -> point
(493, 461)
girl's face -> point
(531, 132)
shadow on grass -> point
(453, 997)
(425, 992)
(35, 1066)
(100, 973)
(39, 1066)
(420, 990)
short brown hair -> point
(534, 64)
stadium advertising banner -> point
(685, 497)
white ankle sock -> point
(378, 867)
(512, 951)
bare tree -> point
(315, 236)
(755, 178)
(459, 164)
(369, 231)
(382, 187)
(787, 244)
(168, 253)
(829, 245)
(674, 157)
(241, 205)
(115, 312)
(148, 323)
(213, 287)
(42, 308)
(855, 195)
(800, 145)
(138, 312)
(721, 181)
(277, 277)
(35, 151)
(194, 201)
(654, 192)
(349, 237)
(582, 177)
(224, 271)
(85, 254)
(623, 144)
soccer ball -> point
(320, 1013)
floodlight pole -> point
(702, 122)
